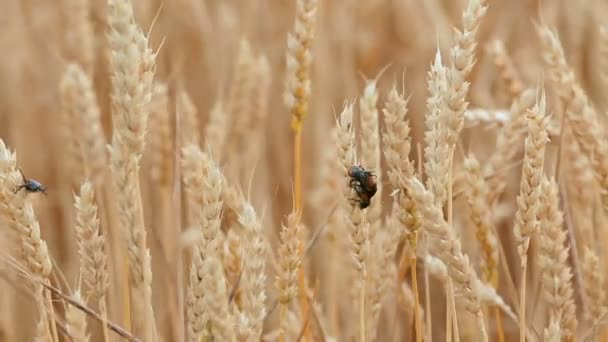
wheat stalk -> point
(296, 98)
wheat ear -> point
(254, 277)
(355, 217)
(594, 293)
(397, 142)
(208, 311)
(289, 263)
(189, 120)
(553, 262)
(79, 98)
(91, 249)
(581, 115)
(506, 68)
(132, 72)
(528, 200)
(446, 246)
(17, 213)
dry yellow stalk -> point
(553, 261)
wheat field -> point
(305, 170)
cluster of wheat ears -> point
(162, 223)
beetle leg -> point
(19, 188)
(22, 175)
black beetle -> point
(30, 185)
(364, 184)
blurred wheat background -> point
(196, 157)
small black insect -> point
(364, 184)
(30, 185)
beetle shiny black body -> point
(364, 184)
(30, 185)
